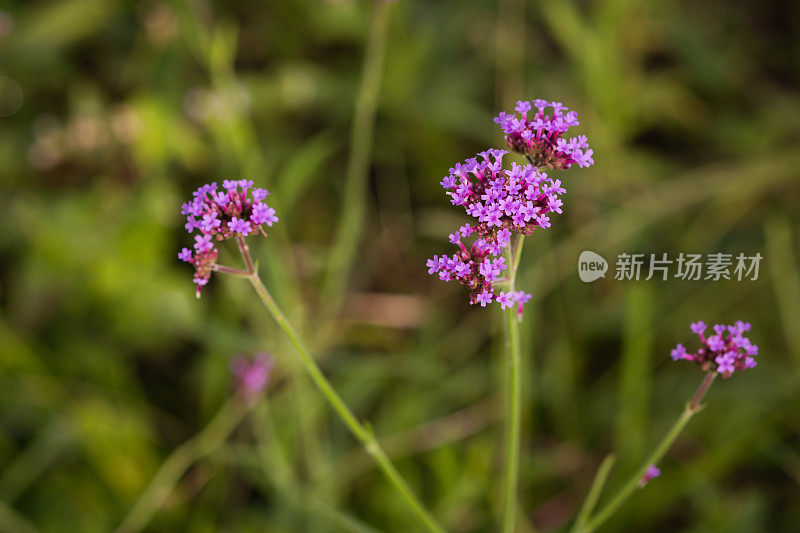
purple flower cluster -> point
(479, 268)
(501, 201)
(539, 136)
(518, 199)
(219, 215)
(252, 376)
(726, 351)
(505, 200)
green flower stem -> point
(594, 492)
(517, 255)
(359, 431)
(691, 409)
(277, 472)
(514, 395)
(175, 466)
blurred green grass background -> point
(108, 363)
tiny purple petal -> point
(651, 472)
(678, 353)
(504, 299)
(484, 298)
(203, 243)
(240, 226)
(259, 194)
(698, 327)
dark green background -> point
(107, 361)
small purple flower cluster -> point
(539, 137)
(219, 215)
(252, 376)
(518, 199)
(478, 267)
(726, 351)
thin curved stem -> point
(175, 466)
(594, 492)
(359, 431)
(694, 405)
(228, 270)
(245, 251)
(514, 396)
(277, 472)
(691, 409)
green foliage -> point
(108, 363)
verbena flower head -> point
(519, 199)
(219, 214)
(651, 472)
(501, 201)
(479, 268)
(507, 200)
(725, 351)
(252, 376)
(539, 135)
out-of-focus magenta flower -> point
(521, 297)
(252, 376)
(652, 472)
(726, 351)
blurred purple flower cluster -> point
(219, 215)
(252, 375)
(726, 351)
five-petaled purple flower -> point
(538, 135)
(219, 215)
(726, 351)
(239, 226)
(504, 299)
